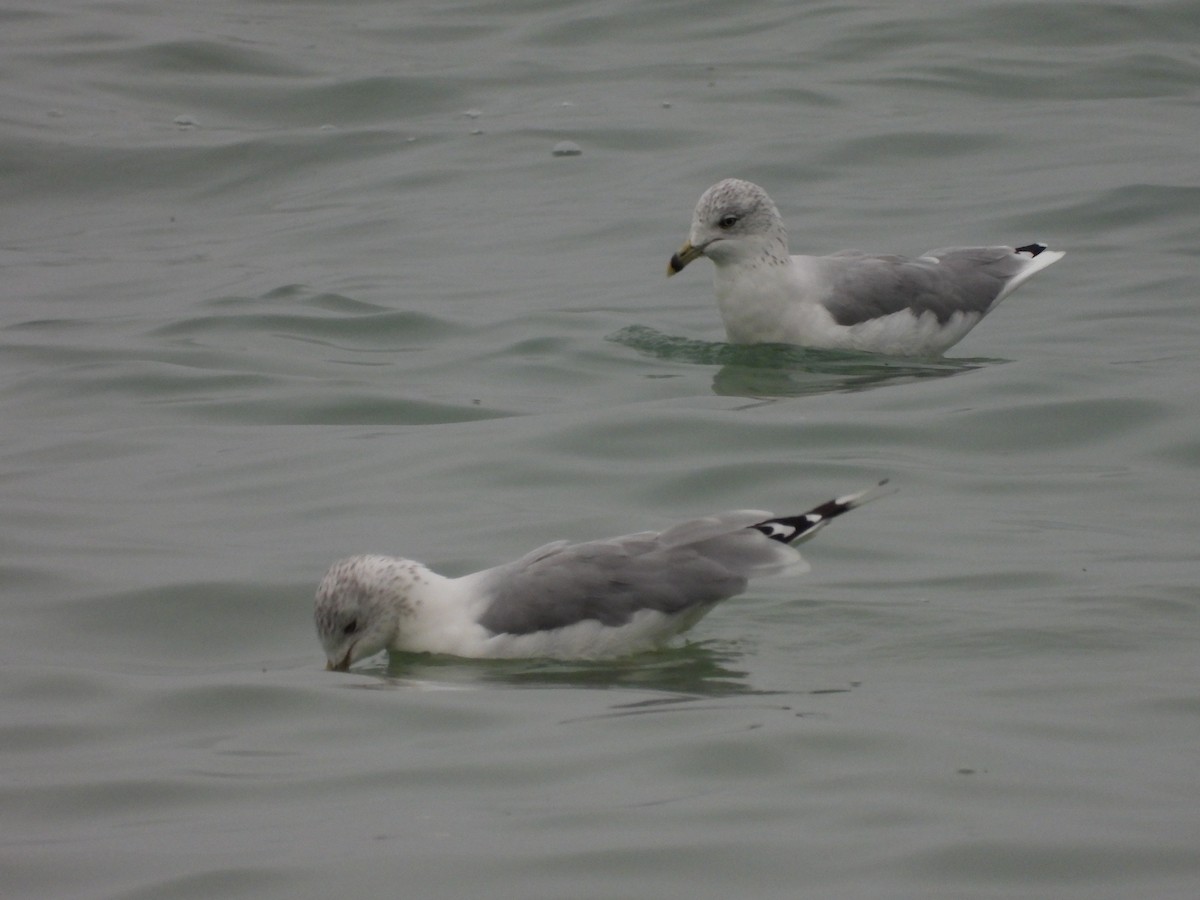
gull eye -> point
(727, 221)
(351, 627)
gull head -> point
(735, 221)
(359, 605)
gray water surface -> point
(287, 281)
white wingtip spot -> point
(872, 493)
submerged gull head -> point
(359, 605)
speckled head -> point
(733, 219)
(359, 604)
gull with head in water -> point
(903, 306)
(565, 601)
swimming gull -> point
(567, 601)
(849, 300)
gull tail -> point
(795, 529)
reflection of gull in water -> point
(764, 371)
(850, 300)
(569, 601)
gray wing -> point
(610, 581)
(709, 526)
(943, 282)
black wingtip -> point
(790, 529)
(1032, 249)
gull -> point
(851, 300)
(588, 600)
